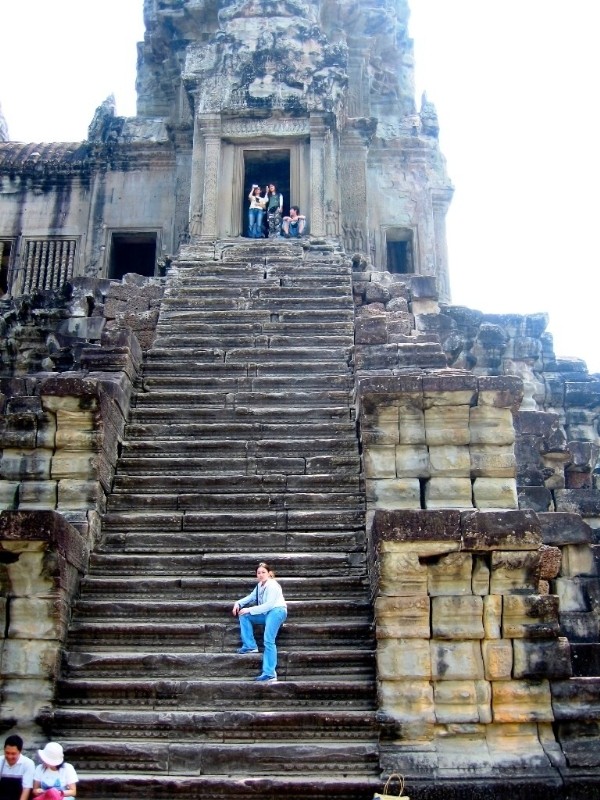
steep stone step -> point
(272, 400)
(259, 448)
(282, 413)
(229, 503)
(131, 541)
(328, 664)
(206, 336)
(179, 318)
(301, 463)
(346, 588)
(274, 301)
(250, 430)
(320, 378)
(291, 287)
(218, 694)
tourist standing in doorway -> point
(265, 605)
(16, 771)
(256, 212)
(54, 778)
(274, 210)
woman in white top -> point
(256, 212)
(54, 779)
(265, 605)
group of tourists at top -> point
(272, 205)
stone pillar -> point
(353, 181)
(317, 174)
(440, 203)
(206, 158)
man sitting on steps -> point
(293, 226)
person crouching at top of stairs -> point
(265, 605)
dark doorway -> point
(5, 249)
(400, 258)
(264, 167)
(132, 252)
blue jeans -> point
(255, 217)
(272, 620)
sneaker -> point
(266, 679)
(243, 650)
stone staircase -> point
(241, 447)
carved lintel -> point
(249, 128)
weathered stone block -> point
(495, 493)
(46, 430)
(403, 659)
(380, 461)
(32, 658)
(18, 430)
(454, 661)
(371, 330)
(480, 578)
(8, 494)
(529, 616)
(83, 398)
(550, 562)
(38, 618)
(407, 701)
(37, 494)
(17, 465)
(77, 464)
(402, 617)
(458, 702)
(450, 575)
(397, 493)
(449, 390)
(446, 425)
(577, 559)
(380, 427)
(521, 701)
(492, 461)
(492, 616)
(457, 617)
(411, 424)
(580, 626)
(412, 461)
(448, 493)
(402, 574)
(500, 530)
(571, 596)
(75, 430)
(74, 494)
(497, 659)
(450, 461)
(514, 572)
(491, 426)
(500, 391)
(542, 659)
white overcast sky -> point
(515, 83)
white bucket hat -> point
(52, 754)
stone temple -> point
(180, 401)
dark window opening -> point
(5, 250)
(264, 167)
(132, 252)
(399, 247)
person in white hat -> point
(54, 778)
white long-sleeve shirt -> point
(270, 595)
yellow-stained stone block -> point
(497, 659)
(457, 617)
(424, 548)
(37, 494)
(463, 397)
(383, 427)
(492, 616)
(411, 425)
(451, 575)
(407, 701)
(447, 425)
(73, 439)
(29, 575)
(18, 463)
(80, 465)
(529, 616)
(457, 702)
(450, 460)
(463, 750)
(76, 404)
(74, 494)
(394, 494)
(35, 618)
(402, 617)
(380, 461)
(496, 493)
(403, 659)
(412, 461)
(8, 494)
(514, 571)
(577, 559)
(402, 574)
(448, 493)
(521, 701)
(491, 426)
(480, 581)
(492, 461)
(454, 661)
(516, 742)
